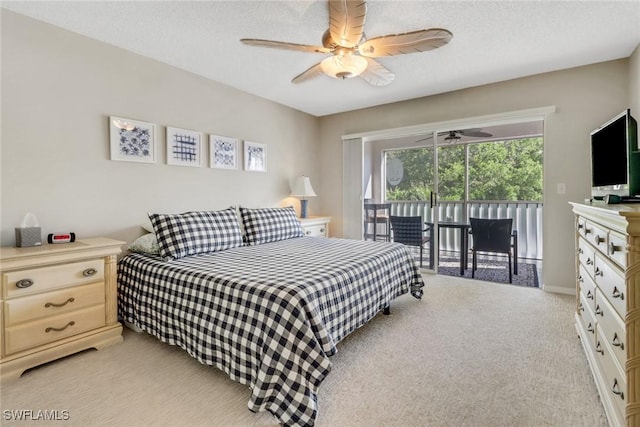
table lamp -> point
(303, 189)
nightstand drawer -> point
(34, 307)
(25, 282)
(317, 226)
(50, 329)
(316, 231)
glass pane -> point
(506, 170)
(451, 172)
(409, 174)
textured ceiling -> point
(493, 41)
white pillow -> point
(147, 244)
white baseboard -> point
(559, 290)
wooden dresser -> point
(608, 304)
(316, 226)
(56, 300)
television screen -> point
(609, 153)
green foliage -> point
(501, 170)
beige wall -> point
(634, 83)
(58, 89)
(585, 97)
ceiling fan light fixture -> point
(344, 66)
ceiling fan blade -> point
(376, 74)
(398, 44)
(475, 133)
(285, 45)
(309, 73)
(346, 21)
(424, 139)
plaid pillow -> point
(191, 233)
(270, 225)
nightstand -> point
(316, 226)
(56, 300)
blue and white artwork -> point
(223, 152)
(184, 147)
(132, 140)
(255, 157)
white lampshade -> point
(344, 66)
(303, 188)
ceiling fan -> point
(455, 135)
(351, 54)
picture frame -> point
(132, 140)
(223, 152)
(184, 147)
(255, 156)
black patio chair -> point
(494, 236)
(409, 231)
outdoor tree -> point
(500, 170)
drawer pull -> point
(589, 295)
(617, 294)
(616, 390)
(599, 349)
(580, 307)
(598, 239)
(616, 342)
(322, 230)
(24, 283)
(53, 304)
(590, 328)
(589, 261)
(598, 272)
(580, 251)
(580, 226)
(587, 230)
(599, 311)
(51, 328)
(613, 248)
(89, 272)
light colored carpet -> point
(471, 353)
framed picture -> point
(184, 147)
(132, 140)
(223, 152)
(255, 156)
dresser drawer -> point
(611, 282)
(611, 329)
(588, 320)
(617, 249)
(614, 379)
(596, 235)
(50, 329)
(25, 282)
(34, 307)
(586, 256)
(587, 286)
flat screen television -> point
(615, 160)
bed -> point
(268, 312)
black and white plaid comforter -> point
(268, 315)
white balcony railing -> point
(527, 220)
